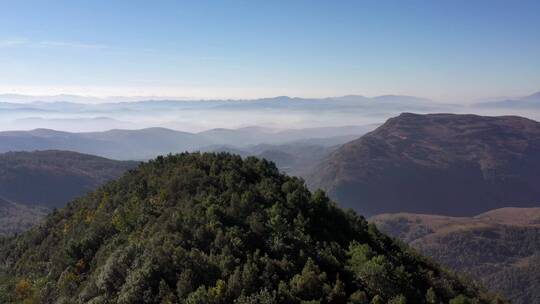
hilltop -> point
(214, 228)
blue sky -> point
(446, 50)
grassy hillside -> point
(213, 228)
(500, 247)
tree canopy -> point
(216, 228)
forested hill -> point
(448, 164)
(213, 228)
(52, 178)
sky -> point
(445, 50)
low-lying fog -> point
(200, 115)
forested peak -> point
(216, 228)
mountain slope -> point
(500, 247)
(437, 164)
(533, 97)
(213, 228)
(52, 178)
(15, 218)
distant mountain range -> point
(438, 164)
(527, 102)
(501, 247)
(61, 113)
(156, 100)
(148, 143)
(21, 112)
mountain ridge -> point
(109, 100)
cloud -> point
(11, 43)
(24, 43)
(70, 44)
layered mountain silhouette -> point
(148, 143)
(80, 114)
(528, 102)
(214, 228)
(437, 164)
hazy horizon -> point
(458, 51)
(347, 63)
(83, 114)
(14, 97)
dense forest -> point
(503, 254)
(214, 228)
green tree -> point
(311, 284)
